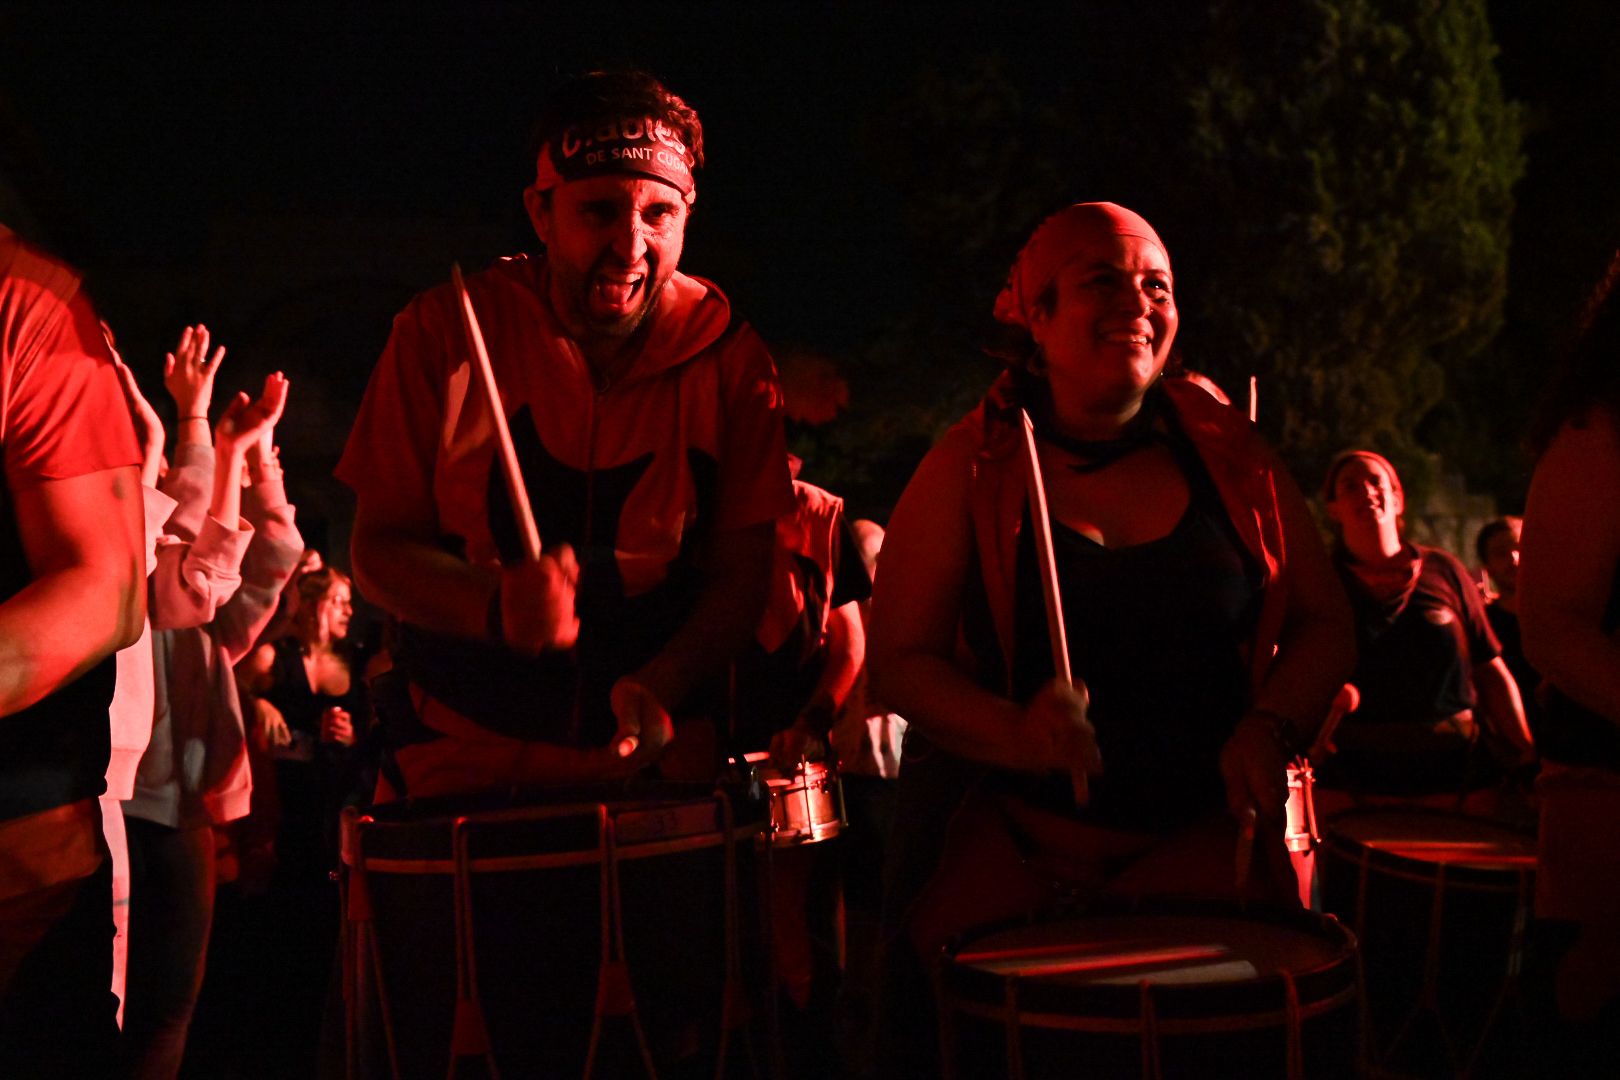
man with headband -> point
(646, 419)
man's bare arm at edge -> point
(82, 537)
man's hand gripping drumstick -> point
(536, 603)
(1057, 713)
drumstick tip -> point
(627, 746)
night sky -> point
(293, 176)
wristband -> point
(492, 618)
(203, 417)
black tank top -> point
(1156, 630)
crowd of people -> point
(1106, 613)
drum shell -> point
(806, 806)
(537, 933)
(1215, 1029)
(1393, 901)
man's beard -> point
(576, 290)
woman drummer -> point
(1204, 624)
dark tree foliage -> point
(1354, 161)
(1334, 180)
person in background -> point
(1569, 607)
(866, 741)
(1429, 672)
(228, 551)
(71, 596)
(790, 684)
(309, 705)
(1497, 546)
(134, 690)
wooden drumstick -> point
(1047, 563)
(528, 532)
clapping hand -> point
(189, 372)
(246, 422)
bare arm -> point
(1316, 648)
(83, 540)
(846, 652)
(1568, 554)
(1501, 706)
(400, 568)
(916, 610)
(1316, 652)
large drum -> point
(1440, 903)
(1171, 988)
(589, 935)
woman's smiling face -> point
(1111, 321)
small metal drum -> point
(807, 806)
(1301, 808)
(1167, 988)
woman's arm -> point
(1316, 653)
(1567, 556)
(916, 610)
(1316, 647)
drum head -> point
(1418, 839)
(530, 828)
(1207, 959)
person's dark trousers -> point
(171, 908)
(58, 1014)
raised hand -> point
(246, 422)
(188, 373)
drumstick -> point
(1045, 559)
(1254, 398)
(515, 490)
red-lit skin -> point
(612, 244)
(595, 229)
(1367, 507)
(1108, 334)
(326, 670)
(1105, 342)
(1571, 546)
(1502, 563)
(317, 628)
